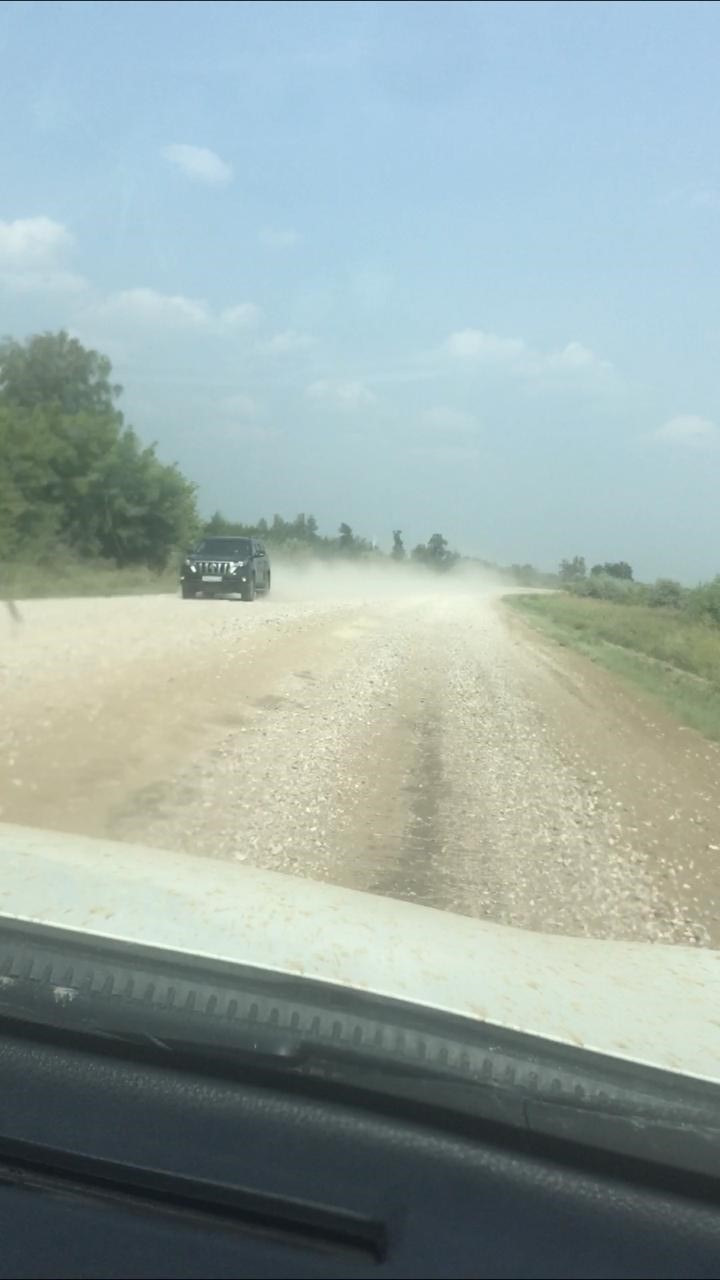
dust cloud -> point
(346, 583)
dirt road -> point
(419, 743)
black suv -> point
(224, 567)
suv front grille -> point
(214, 566)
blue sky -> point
(446, 267)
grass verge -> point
(78, 578)
(673, 660)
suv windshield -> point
(226, 548)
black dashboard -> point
(128, 1154)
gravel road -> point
(387, 734)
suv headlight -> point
(190, 566)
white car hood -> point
(653, 1004)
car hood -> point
(652, 1004)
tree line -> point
(302, 536)
(615, 582)
(76, 480)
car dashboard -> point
(165, 1119)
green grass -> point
(78, 578)
(674, 660)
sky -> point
(445, 267)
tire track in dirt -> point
(417, 745)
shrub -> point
(665, 593)
(703, 602)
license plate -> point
(212, 577)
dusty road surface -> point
(405, 738)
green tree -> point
(572, 570)
(525, 574)
(620, 569)
(704, 601)
(435, 553)
(346, 540)
(53, 369)
(30, 513)
(398, 550)
(73, 475)
(217, 525)
(144, 508)
(665, 593)
(293, 537)
(437, 548)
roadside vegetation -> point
(87, 508)
(26, 580)
(662, 637)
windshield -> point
(232, 548)
(423, 299)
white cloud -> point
(341, 395)
(486, 348)
(157, 310)
(150, 309)
(244, 315)
(443, 418)
(287, 341)
(572, 356)
(689, 429)
(33, 256)
(32, 243)
(277, 238)
(513, 355)
(200, 164)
